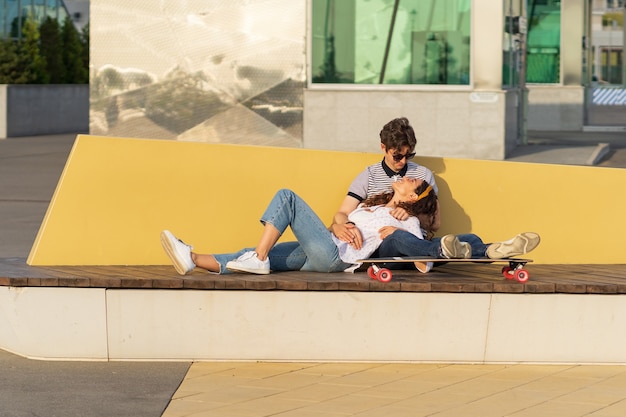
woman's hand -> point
(386, 231)
(399, 213)
(349, 233)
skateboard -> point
(515, 270)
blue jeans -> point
(403, 243)
(315, 249)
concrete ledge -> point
(98, 324)
(456, 313)
(54, 323)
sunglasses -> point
(399, 157)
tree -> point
(84, 39)
(16, 27)
(76, 72)
(29, 59)
(8, 63)
(49, 53)
(51, 47)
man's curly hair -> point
(397, 134)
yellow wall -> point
(115, 195)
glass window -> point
(512, 51)
(543, 58)
(391, 42)
(14, 12)
(611, 65)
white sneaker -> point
(453, 248)
(178, 251)
(249, 262)
(423, 267)
(519, 245)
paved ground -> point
(29, 170)
(86, 389)
(605, 149)
(399, 390)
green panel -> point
(544, 42)
(391, 42)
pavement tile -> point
(187, 408)
(268, 406)
(231, 394)
(556, 409)
(339, 368)
(400, 390)
(350, 404)
(319, 392)
(300, 412)
(613, 410)
(292, 380)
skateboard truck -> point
(378, 273)
(516, 271)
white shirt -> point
(369, 221)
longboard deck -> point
(515, 270)
(429, 259)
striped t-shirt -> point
(377, 178)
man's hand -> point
(399, 213)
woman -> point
(317, 249)
(401, 243)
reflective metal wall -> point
(229, 71)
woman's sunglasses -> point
(399, 157)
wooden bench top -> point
(455, 278)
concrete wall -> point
(512, 124)
(30, 110)
(556, 107)
(464, 124)
(101, 324)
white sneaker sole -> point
(519, 245)
(170, 250)
(236, 268)
(423, 267)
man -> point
(397, 141)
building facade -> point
(472, 76)
(14, 12)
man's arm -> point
(340, 227)
(348, 205)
